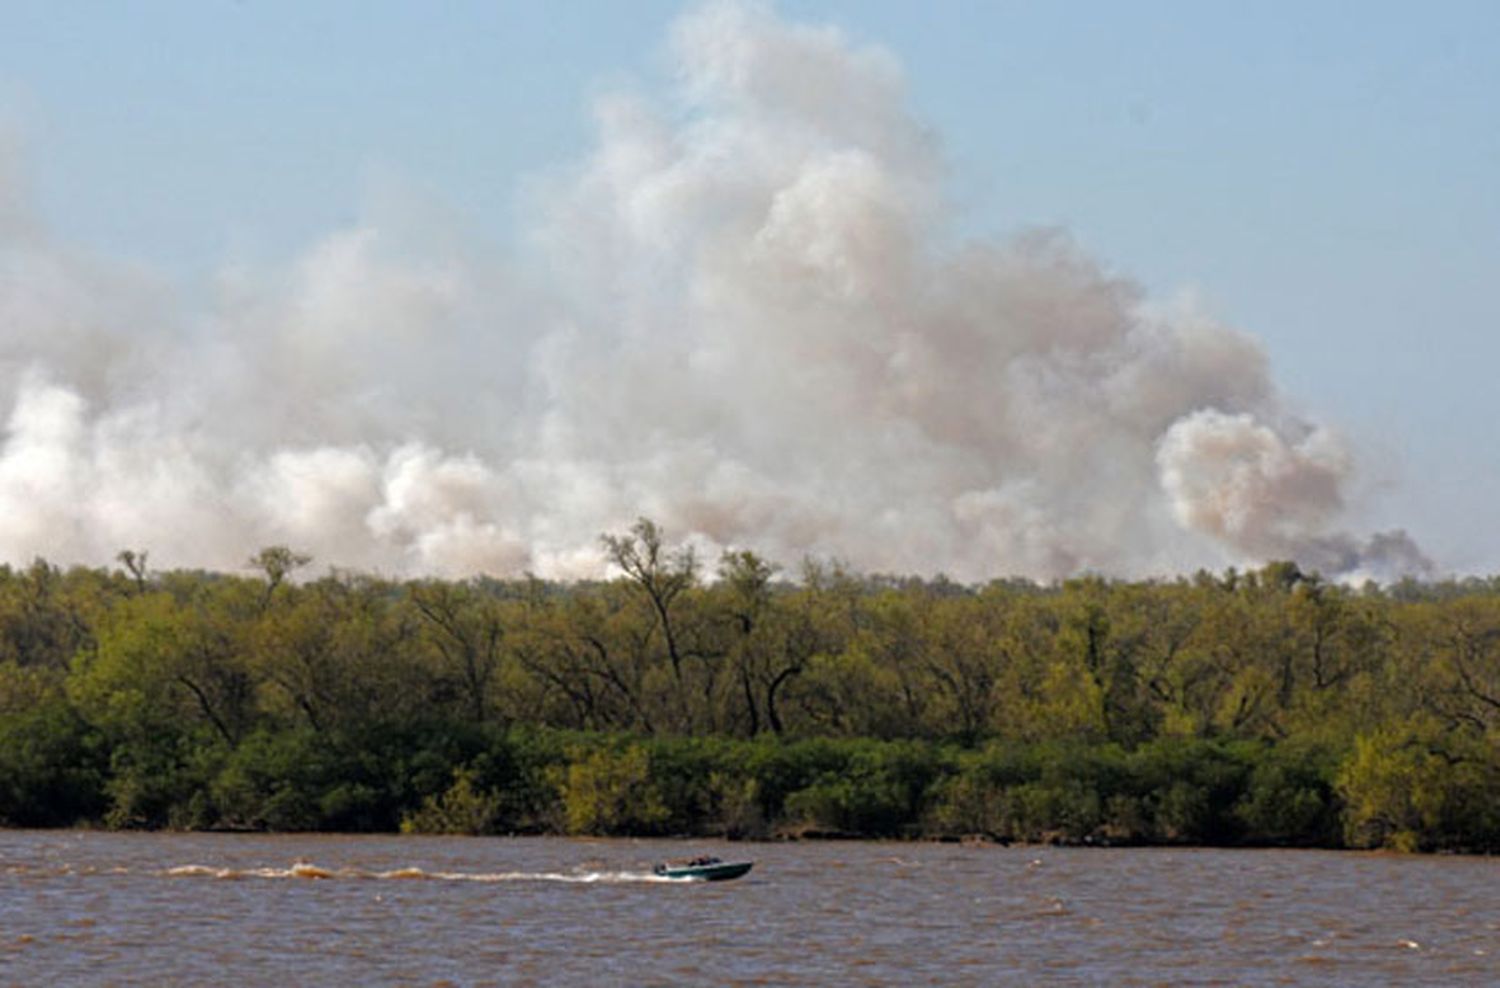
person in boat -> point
(702, 861)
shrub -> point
(51, 768)
(610, 792)
(463, 809)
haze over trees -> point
(1268, 706)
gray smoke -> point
(743, 315)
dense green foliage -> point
(1267, 707)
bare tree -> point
(135, 564)
(277, 562)
(661, 574)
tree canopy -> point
(1267, 706)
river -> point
(188, 909)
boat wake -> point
(306, 871)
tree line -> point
(1259, 707)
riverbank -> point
(1266, 708)
(441, 779)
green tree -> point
(610, 792)
(464, 808)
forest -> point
(727, 697)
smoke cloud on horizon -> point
(743, 315)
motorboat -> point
(703, 869)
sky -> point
(198, 187)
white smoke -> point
(1240, 481)
(743, 316)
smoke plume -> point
(743, 315)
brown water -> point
(87, 908)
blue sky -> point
(1324, 176)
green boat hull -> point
(720, 872)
